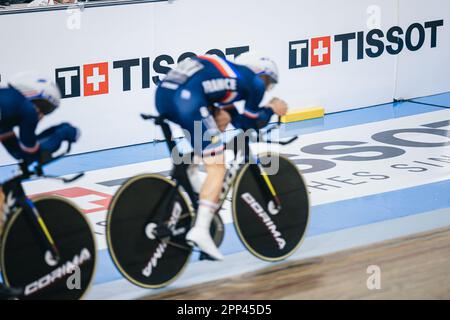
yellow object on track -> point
(303, 114)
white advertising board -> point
(107, 59)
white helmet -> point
(43, 92)
(260, 65)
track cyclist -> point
(23, 103)
(204, 93)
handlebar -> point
(65, 180)
(37, 168)
(159, 120)
(152, 117)
(271, 127)
(284, 142)
(148, 116)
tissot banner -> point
(337, 54)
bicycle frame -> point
(14, 192)
(179, 171)
(242, 155)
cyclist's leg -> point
(188, 108)
(213, 160)
(11, 144)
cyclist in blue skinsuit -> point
(22, 104)
(185, 97)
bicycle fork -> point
(52, 255)
(267, 185)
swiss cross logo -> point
(87, 200)
(320, 51)
(95, 78)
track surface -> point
(413, 267)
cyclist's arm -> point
(11, 144)
(252, 116)
(28, 140)
(51, 139)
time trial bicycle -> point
(150, 214)
(48, 249)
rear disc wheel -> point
(134, 218)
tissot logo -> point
(136, 73)
(318, 51)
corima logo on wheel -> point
(97, 78)
(62, 271)
(265, 218)
(374, 43)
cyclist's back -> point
(220, 81)
(196, 83)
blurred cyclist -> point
(25, 101)
(186, 96)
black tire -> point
(282, 233)
(23, 256)
(134, 254)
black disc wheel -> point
(146, 227)
(270, 232)
(28, 264)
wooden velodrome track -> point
(413, 267)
